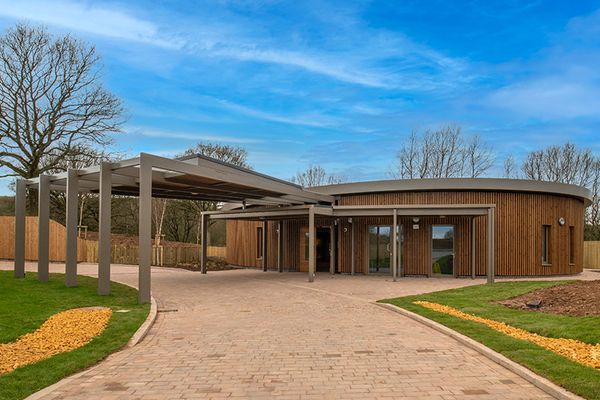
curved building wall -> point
(519, 218)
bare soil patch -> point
(579, 298)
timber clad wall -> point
(518, 234)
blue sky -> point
(339, 83)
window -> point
(259, 242)
(546, 244)
(571, 245)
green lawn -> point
(26, 303)
(478, 300)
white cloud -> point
(313, 119)
(192, 136)
(97, 20)
(237, 39)
(553, 97)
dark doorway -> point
(323, 244)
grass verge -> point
(479, 300)
(26, 303)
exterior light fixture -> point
(561, 221)
(349, 220)
(416, 220)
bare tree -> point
(510, 169)
(315, 175)
(51, 101)
(569, 164)
(442, 153)
(235, 155)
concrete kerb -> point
(135, 339)
(542, 383)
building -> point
(447, 227)
(441, 229)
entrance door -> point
(323, 244)
(380, 249)
(442, 250)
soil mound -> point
(579, 298)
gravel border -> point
(135, 339)
(542, 383)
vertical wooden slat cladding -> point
(518, 230)
(518, 233)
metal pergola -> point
(192, 178)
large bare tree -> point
(442, 153)
(569, 164)
(316, 175)
(52, 103)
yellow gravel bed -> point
(583, 353)
(62, 332)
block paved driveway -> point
(250, 334)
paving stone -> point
(250, 334)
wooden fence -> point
(591, 254)
(87, 250)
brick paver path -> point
(249, 334)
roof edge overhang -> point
(457, 184)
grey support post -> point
(332, 249)
(20, 224)
(395, 245)
(145, 230)
(339, 246)
(279, 246)
(311, 244)
(104, 244)
(43, 227)
(72, 217)
(353, 256)
(473, 248)
(204, 242)
(265, 237)
(490, 245)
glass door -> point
(380, 249)
(442, 250)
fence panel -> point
(591, 254)
(87, 250)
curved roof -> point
(445, 184)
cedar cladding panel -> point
(519, 219)
(242, 244)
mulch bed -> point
(579, 298)
(213, 264)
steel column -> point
(395, 245)
(265, 237)
(43, 227)
(71, 227)
(473, 248)
(332, 249)
(339, 246)
(104, 237)
(279, 246)
(352, 258)
(20, 224)
(490, 245)
(311, 244)
(145, 231)
(204, 242)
